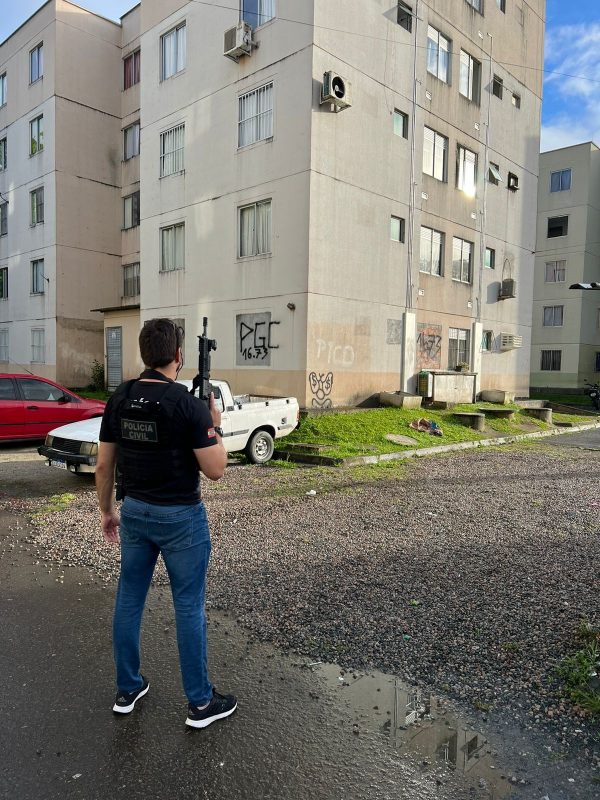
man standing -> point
(160, 437)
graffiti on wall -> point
(429, 346)
(336, 355)
(321, 384)
(255, 339)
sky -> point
(570, 111)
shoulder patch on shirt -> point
(211, 433)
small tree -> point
(97, 382)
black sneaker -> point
(125, 701)
(221, 705)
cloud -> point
(572, 58)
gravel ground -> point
(467, 574)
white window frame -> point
(551, 358)
(36, 206)
(4, 343)
(431, 241)
(266, 11)
(469, 84)
(3, 89)
(38, 346)
(464, 272)
(131, 279)
(169, 250)
(178, 35)
(254, 246)
(555, 271)
(462, 350)
(135, 57)
(553, 316)
(38, 276)
(3, 153)
(131, 211)
(131, 141)
(466, 174)
(36, 135)
(560, 173)
(4, 283)
(172, 151)
(435, 145)
(36, 63)
(255, 115)
(437, 44)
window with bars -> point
(131, 280)
(431, 251)
(37, 276)
(556, 271)
(36, 135)
(37, 205)
(553, 316)
(405, 15)
(400, 123)
(3, 87)
(131, 69)
(131, 211)
(3, 153)
(255, 229)
(131, 141)
(550, 360)
(257, 12)
(255, 115)
(560, 181)
(466, 175)
(3, 219)
(435, 154)
(172, 151)
(36, 63)
(4, 344)
(469, 84)
(3, 283)
(38, 346)
(172, 247)
(458, 347)
(462, 260)
(397, 225)
(438, 54)
(173, 52)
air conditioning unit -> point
(508, 289)
(335, 91)
(509, 341)
(238, 41)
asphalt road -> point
(586, 440)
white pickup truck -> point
(249, 423)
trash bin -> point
(425, 383)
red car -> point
(32, 406)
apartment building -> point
(345, 189)
(565, 349)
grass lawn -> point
(92, 394)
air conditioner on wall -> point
(335, 91)
(238, 41)
(508, 341)
(508, 289)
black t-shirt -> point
(193, 429)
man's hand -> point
(215, 412)
(110, 527)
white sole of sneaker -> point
(204, 723)
(128, 709)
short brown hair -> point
(159, 341)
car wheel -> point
(260, 447)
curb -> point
(7, 458)
(431, 451)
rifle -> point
(202, 379)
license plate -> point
(60, 464)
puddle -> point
(418, 724)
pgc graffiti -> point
(255, 339)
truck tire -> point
(260, 447)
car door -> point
(43, 408)
(11, 410)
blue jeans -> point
(181, 535)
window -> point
(498, 87)
(487, 341)
(512, 182)
(131, 70)
(3, 219)
(438, 54)
(462, 260)
(470, 77)
(36, 135)
(405, 16)
(501, 5)
(38, 349)
(400, 123)
(4, 357)
(458, 347)
(131, 141)
(255, 116)
(477, 5)
(435, 154)
(131, 280)
(131, 211)
(37, 205)
(516, 100)
(396, 229)
(553, 316)
(172, 247)
(37, 276)
(596, 366)
(171, 151)
(466, 176)
(490, 258)
(255, 229)
(494, 175)
(432, 251)
(556, 271)
(257, 12)
(557, 226)
(3, 283)
(560, 181)
(36, 63)
(172, 52)
(550, 360)
(3, 153)
(3, 87)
